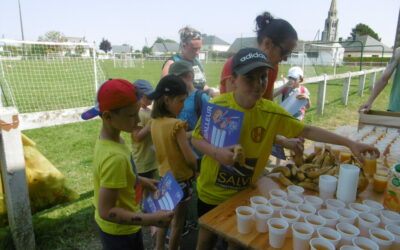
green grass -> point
(70, 149)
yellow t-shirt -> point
(169, 155)
(260, 125)
(143, 154)
(113, 169)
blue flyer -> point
(167, 196)
(221, 126)
(278, 151)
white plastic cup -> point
(327, 186)
(305, 209)
(389, 217)
(295, 190)
(244, 218)
(365, 243)
(395, 230)
(359, 208)
(277, 204)
(277, 194)
(348, 232)
(263, 213)
(315, 221)
(293, 201)
(330, 216)
(349, 247)
(291, 216)
(383, 238)
(314, 201)
(367, 221)
(302, 233)
(334, 204)
(374, 206)
(321, 243)
(258, 200)
(277, 228)
(330, 234)
(319, 147)
(347, 215)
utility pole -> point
(397, 36)
(20, 20)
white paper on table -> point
(293, 105)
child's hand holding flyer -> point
(166, 197)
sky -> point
(139, 23)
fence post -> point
(14, 179)
(346, 89)
(372, 81)
(321, 95)
(361, 84)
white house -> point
(243, 42)
(316, 53)
(372, 48)
(121, 49)
(159, 49)
(213, 43)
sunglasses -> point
(193, 35)
(284, 52)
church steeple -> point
(331, 24)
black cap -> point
(248, 59)
(169, 85)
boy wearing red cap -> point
(116, 183)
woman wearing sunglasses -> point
(190, 49)
(275, 37)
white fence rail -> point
(323, 80)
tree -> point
(363, 29)
(146, 50)
(53, 36)
(105, 45)
(79, 50)
(162, 40)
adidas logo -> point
(253, 55)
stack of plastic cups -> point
(327, 186)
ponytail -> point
(278, 30)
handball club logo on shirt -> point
(258, 134)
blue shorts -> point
(121, 242)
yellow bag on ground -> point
(45, 183)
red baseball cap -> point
(112, 94)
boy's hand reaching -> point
(302, 96)
(149, 184)
(224, 155)
(162, 218)
(358, 149)
(295, 144)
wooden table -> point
(222, 219)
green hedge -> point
(366, 59)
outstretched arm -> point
(165, 69)
(110, 212)
(322, 135)
(383, 80)
(187, 151)
(222, 155)
(139, 133)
